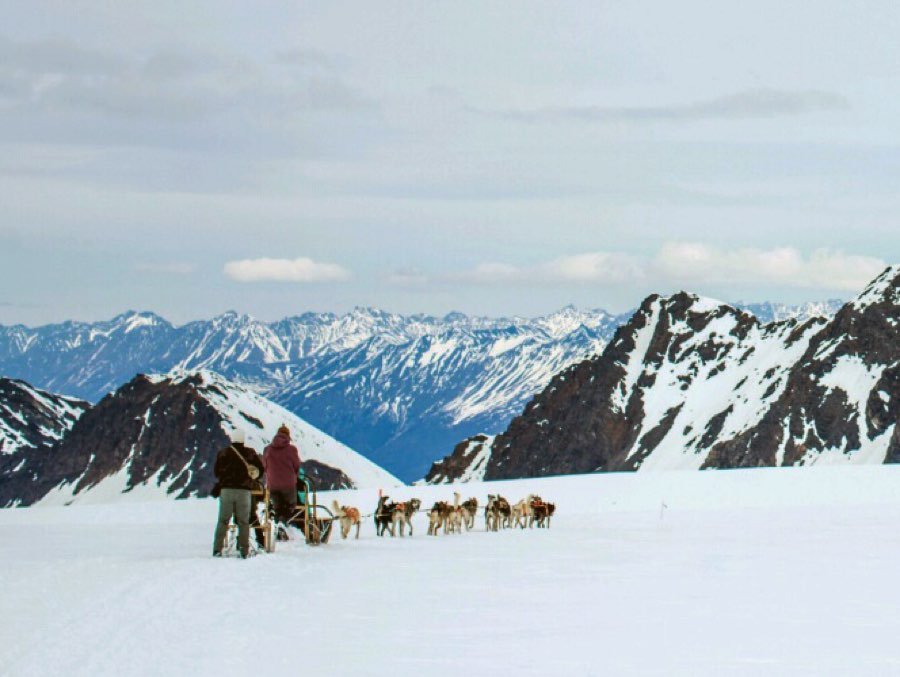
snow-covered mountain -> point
(31, 423)
(404, 403)
(692, 383)
(399, 389)
(90, 360)
(32, 418)
(157, 436)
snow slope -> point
(242, 408)
(238, 407)
(158, 436)
(744, 573)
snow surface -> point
(750, 572)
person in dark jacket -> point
(237, 468)
(282, 463)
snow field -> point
(751, 572)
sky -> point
(495, 158)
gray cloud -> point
(54, 56)
(411, 278)
(750, 103)
(308, 59)
(60, 85)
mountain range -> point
(402, 390)
(692, 383)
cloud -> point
(691, 264)
(591, 267)
(171, 268)
(301, 269)
(406, 277)
(307, 58)
(169, 97)
(822, 269)
(491, 273)
(750, 103)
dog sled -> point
(314, 521)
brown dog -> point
(541, 512)
(403, 513)
(497, 513)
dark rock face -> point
(468, 461)
(158, 432)
(691, 384)
(592, 417)
(324, 477)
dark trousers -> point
(284, 503)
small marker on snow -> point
(662, 509)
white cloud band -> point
(823, 269)
(301, 269)
(692, 263)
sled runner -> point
(314, 520)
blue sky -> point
(491, 157)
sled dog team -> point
(240, 473)
(451, 518)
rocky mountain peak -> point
(455, 316)
(692, 383)
(883, 291)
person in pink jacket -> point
(282, 462)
